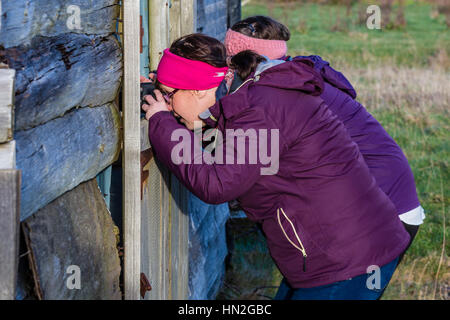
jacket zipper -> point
(301, 248)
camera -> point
(147, 88)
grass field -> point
(402, 76)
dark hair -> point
(245, 62)
(203, 48)
(262, 27)
(200, 47)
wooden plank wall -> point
(10, 179)
(165, 221)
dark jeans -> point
(352, 289)
(356, 288)
(412, 230)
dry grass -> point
(418, 89)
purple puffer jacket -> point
(324, 217)
(383, 156)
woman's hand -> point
(153, 105)
(151, 78)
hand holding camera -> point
(152, 100)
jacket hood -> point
(297, 74)
(331, 76)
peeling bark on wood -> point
(82, 235)
(59, 155)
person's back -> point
(382, 154)
(323, 196)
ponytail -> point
(245, 62)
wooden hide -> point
(74, 230)
(9, 235)
(54, 75)
(57, 156)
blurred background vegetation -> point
(402, 76)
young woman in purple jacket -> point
(384, 157)
(331, 230)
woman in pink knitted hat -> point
(381, 153)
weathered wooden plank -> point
(188, 17)
(75, 232)
(22, 20)
(6, 104)
(175, 20)
(8, 155)
(131, 150)
(150, 231)
(180, 239)
(182, 17)
(60, 154)
(159, 30)
(9, 235)
(165, 221)
(54, 75)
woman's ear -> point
(199, 94)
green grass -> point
(312, 32)
(402, 76)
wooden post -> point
(131, 150)
(9, 190)
(9, 235)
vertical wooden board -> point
(180, 228)
(175, 20)
(158, 30)
(75, 231)
(150, 217)
(166, 234)
(153, 235)
(131, 150)
(188, 16)
(9, 235)
(8, 155)
(165, 239)
(6, 104)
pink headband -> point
(236, 42)
(181, 73)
